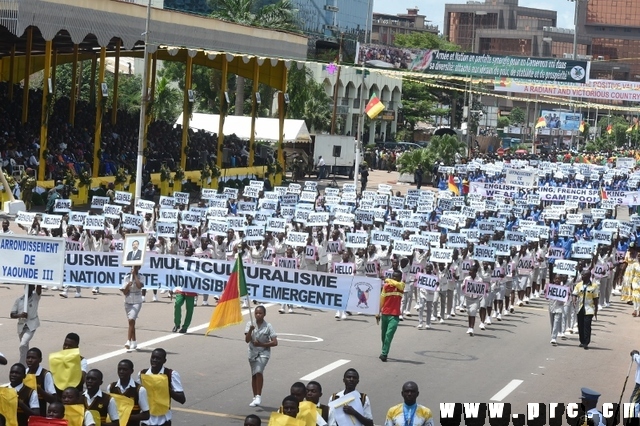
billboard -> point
(433, 62)
(562, 120)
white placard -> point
(402, 248)
(565, 267)
(131, 221)
(168, 215)
(441, 255)
(217, 228)
(581, 251)
(34, 260)
(484, 253)
(145, 206)
(557, 292)
(251, 191)
(427, 282)
(166, 202)
(122, 197)
(253, 233)
(380, 238)
(166, 230)
(181, 198)
(190, 218)
(236, 223)
(231, 193)
(297, 239)
(26, 218)
(208, 193)
(356, 240)
(99, 202)
(275, 224)
(62, 206)
(522, 177)
(51, 221)
(94, 223)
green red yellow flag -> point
(228, 311)
(374, 107)
(452, 185)
(541, 123)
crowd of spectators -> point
(70, 148)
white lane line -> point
(511, 386)
(325, 369)
(157, 340)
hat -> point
(589, 394)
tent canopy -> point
(266, 128)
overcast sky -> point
(434, 9)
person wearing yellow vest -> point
(126, 386)
(176, 391)
(409, 412)
(70, 398)
(28, 404)
(43, 378)
(96, 400)
(390, 310)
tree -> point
(166, 105)
(441, 148)
(417, 104)
(280, 16)
(619, 126)
(425, 41)
(317, 113)
(517, 116)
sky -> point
(434, 9)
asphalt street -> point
(512, 361)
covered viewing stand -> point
(39, 35)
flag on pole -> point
(630, 129)
(581, 128)
(374, 107)
(541, 123)
(609, 129)
(228, 311)
(603, 193)
(452, 185)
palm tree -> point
(278, 16)
(167, 101)
(317, 112)
(441, 148)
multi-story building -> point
(614, 30)
(502, 27)
(385, 27)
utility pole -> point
(335, 88)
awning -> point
(266, 128)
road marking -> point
(207, 413)
(306, 338)
(511, 386)
(325, 369)
(157, 340)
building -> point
(502, 27)
(200, 7)
(388, 89)
(614, 30)
(385, 27)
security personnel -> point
(589, 402)
(587, 294)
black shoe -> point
(175, 328)
(182, 330)
(586, 347)
(581, 345)
(383, 358)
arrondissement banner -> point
(431, 61)
(207, 276)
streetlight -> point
(473, 26)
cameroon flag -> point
(374, 107)
(541, 123)
(452, 185)
(228, 311)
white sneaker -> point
(257, 401)
(470, 331)
(155, 298)
(499, 317)
(520, 303)
(127, 345)
(144, 300)
(568, 331)
(290, 310)
(406, 313)
(427, 327)
(562, 336)
(400, 318)
(488, 321)
(163, 291)
(244, 304)
(134, 345)
(77, 295)
(337, 315)
(600, 307)
(63, 294)
(343, 316)
(207, 304)
(607, 305)
(616, 292)
(575, 330)
(441, 321)
(453, 314)
(553, 342)
(493, 314)
(253, 402)
(281, 310)
(54, 288)
(420, 326)
(95, 291)
(449, 316)
(482, 327)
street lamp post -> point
(143, 107)
(575, 45)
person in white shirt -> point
(176, 391)
(132, 289)
(126, 386)
(28, 322)
(28, 404)
(321, 168)
(96, 400)
(5, 228)
(351, 379)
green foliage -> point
(417, 104)
(618, 134)
(280, 15)
(425, 41)
(167, 102)
(317, 112)
(440, 148)
(203, 83)
(517, 116)
(503, 122)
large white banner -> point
(581, 195)
(264, 283)
(31, 260)
(594, 89)
(487, 189)
(522, 177)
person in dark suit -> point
(135, 253)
